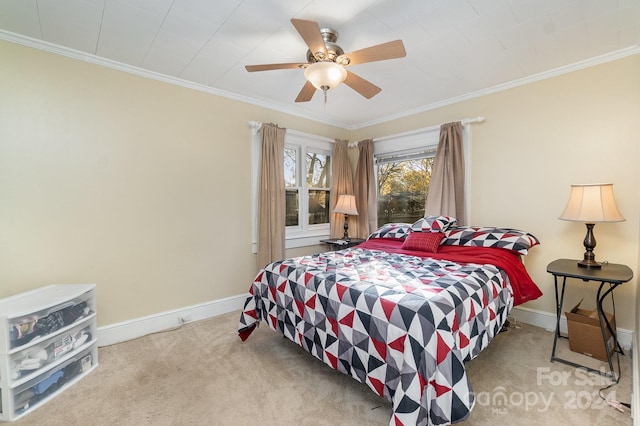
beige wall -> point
(538, 139)
(139, 186)
(144, 188)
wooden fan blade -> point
(306, 93)
(269, 67)
(310, 33)
(390, 50)
(362, 86)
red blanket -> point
(524, 289)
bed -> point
(401, 312)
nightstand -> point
(339, 244)
(610, 276)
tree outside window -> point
(318, 167)
(314, 190)
(403, 185)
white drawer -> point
(42, 388)
(46, 354)
(28, 324)
(48, 341)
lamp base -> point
(591, 264)
(346, 236)
(589, 258)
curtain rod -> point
(472, 120)
(255, 126)
(464, 121)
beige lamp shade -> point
(592, 203)
(346, 204)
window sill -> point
(296, 241)
(304, 240)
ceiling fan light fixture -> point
(326, 61)
(325, 75)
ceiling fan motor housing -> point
(330, 36)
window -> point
(403, 184)
(307, 175)
(308, 194)
(403, 166)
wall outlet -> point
(184, 318)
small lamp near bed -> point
(346, 205)
(591, 203)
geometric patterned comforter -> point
(402, 324)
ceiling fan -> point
(326, 61)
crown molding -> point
(608, 57)
(87, 57)
(108, 63)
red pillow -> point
(423, 241)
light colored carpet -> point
(202, 374)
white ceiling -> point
(455, 48)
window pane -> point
(402, 190)
(292, 208)
(318, 206)
(290, 175)
(318, 167)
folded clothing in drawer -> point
(48, 383)
(51, 350)
(29, 328)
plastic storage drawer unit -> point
(48, 341)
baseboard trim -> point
(138, 327)
(547, 321)
(635, 387)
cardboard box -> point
(585, 336)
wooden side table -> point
(611, 274)
(339, 243)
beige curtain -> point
(342, 174)
(271, 202)
(446, 189)
(365, 191)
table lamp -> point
(347, 205)
(591, 203)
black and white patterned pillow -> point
(392, 230)
(476, 236)
(433, 224)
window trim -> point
(425, 139)
(302, 146)
(293, 138)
